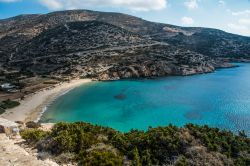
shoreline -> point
(34, 105)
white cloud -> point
(239, 13)
(52, 4)
(222, 2)
(191, 4)
(244, 21)
(136, 5)
(187, 20)
(242, 26)
(9, 0)
(240, 29)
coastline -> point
(32, 107)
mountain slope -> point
(79, 36)
(104, 51)
(15, 31)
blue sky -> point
(229, 15)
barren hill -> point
(112, 46)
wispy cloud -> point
(187, 20)
(240, 29)
(244, 21)
(222, 3)
(239, 13)
(242, 26)
(191, 4)
(135, 5)
(8, 1)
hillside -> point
(109, 46)
(79, 36)
(15, 31)
(104, 51)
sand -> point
(31, 108)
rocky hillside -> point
(212, 42)
(104, 51)
(112, 46)
(79, 36)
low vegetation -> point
(87, 144)
(7, 104)
(50, 82)
(33, 125)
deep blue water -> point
(220, 99)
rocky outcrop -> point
(9, 128)
(11, 151)
(13, 154)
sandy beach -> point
(31, 108)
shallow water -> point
(220, 99)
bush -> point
(64, 158)
(7, 104)
(50, 82)
(32, 125)
(221, 141)
(2, 110)
(181, 161)
(101, 158)
(157, 146)
(33, 135)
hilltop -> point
(211, 42)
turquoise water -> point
(220, 99)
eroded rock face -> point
(9, 128)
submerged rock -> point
(120, 96)
(193, 115)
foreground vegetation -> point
(87, 144)
(7, 104)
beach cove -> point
(33, 105)
(217, 99)
(220, 99)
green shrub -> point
(101, 158)
(33, 125)
(2, 110)
(157, 146)
(221, 141)
(33, 135)
(181, 161)
(7, 104)
(50, 82)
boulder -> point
(9, 128)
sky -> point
(229, 15)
